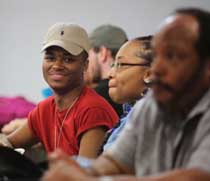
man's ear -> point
(86, 63)
(102, 54)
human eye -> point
(177, 55)
(112, 65)
(68, 59)
(49, 57)
(115, 65)
(171, 55)
(119, 65)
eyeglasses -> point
(118, 65)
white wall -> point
(23, 24)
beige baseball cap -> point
(71, 37)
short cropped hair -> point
(84, 55)
(112, 50)
(203, 19)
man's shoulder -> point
(92, 98)
(146, 103)
(46, 102)
(145, 110)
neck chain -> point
(57, 141)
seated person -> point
(75, 118)
(127, 78)
(167, 137)
(105, 42)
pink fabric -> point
(14, 107)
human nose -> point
(112, 72)
(58, 65)
(159, 67)
(58, 62)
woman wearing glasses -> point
(128, 78)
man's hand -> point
(4, 141)
(63, 168)
(13, 125)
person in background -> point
(168, 135)
(105, 42)
(75, 118)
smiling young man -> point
(168, 136)
(75, 118)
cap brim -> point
(70, 47)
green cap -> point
(109, 36)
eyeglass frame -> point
(117, 65)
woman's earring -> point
(147, 81)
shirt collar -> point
(202, 105)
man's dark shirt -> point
(103, 90)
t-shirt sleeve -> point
(32, 121)
(94, 117)
(116, 132)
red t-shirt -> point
(89, 111)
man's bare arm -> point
(106, 165)
(22, 137)
(177, 175)
(91, 141)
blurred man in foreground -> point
(168, 136)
